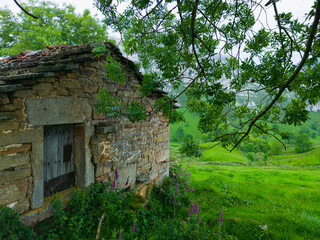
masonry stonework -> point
(57, 86)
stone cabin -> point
(51, 138)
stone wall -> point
(57, 86)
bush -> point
(275, 148)
(11, 228)
(179, 134)
(303, 143)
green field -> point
(277, 201)
(291, 158)
(285, 202)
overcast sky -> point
(297, 7)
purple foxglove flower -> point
(199, 219)
(134, 226)
(179, 186)
(127, 182)
(171, 192)
(220, 220)
(113, 185)
(197, 208)
(178, 194)
(175, 201)
(187, 185)
(117, 176)
(187, 174)
(172, 181)
(191, 209)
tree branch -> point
(292, 77)
(25, 11)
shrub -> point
(303, 143)
(11, 228)
(275, 148)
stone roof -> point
(20, 71)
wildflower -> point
(187, 185)
(172, 181)
(188, 189)
(187, 174)
(199, 219)
(197, 208)
(192, 189)
(191, 209)
(117, 176)
(171, 192)
(134, 226)
(220, 220)
(175, 201)
(120, 235)
(113, 185)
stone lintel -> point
(57, 110)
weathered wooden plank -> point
(59, 183)
(59, 153)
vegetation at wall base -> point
(170, 213)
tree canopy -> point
(55, 25)
(215, 51)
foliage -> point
(255, 145)
(107, 105)
(54, 26)
(195, 49)
(189, 148)
(275, 148)
(303, 143)
(11, 227)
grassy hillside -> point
(220, 154)
(291, 158)
(189, 126)
(283, 202)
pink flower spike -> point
(179, 186)
(187, 174)
(187, 186)
(191, 209)
(117, 176)
(134, 226)
(220, 220)
(199, 219)
(172, 181)
(127, 181)
(197, 209)
(175, 201)
(178, 194)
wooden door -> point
(58, 169)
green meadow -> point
(277, 200)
